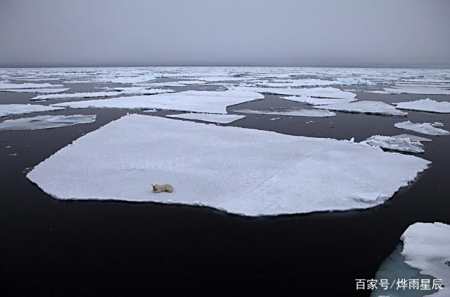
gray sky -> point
(225, 32)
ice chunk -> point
(317, 101)
(209, 117)
(426, 246)
(197, 101)
(425, 105)
(243, 171)
(368, 107)
(114, 92)
(424, 128)
(294, 113)
(396, 143)
(40, 91)
(46, 122)
(413, 137)
(11, 109)
(299, 83)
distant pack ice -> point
(242, 171)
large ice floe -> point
(402, 143)
(12, 109)
(368, 107)
(423, 128)
(208, 117)
(320, 92)
(46, 122)
(197, 101)
(427, 105)
(238, 170)
(316, 113)
(422, 259)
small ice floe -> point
(367, 107)
(427, 105)
(293, 113)
(208, 117)
(151, 110)
(196, 101)
(76, 95)
(320, 92)
(426, 248)
(274, 119)
(298, 83)
(401, 143)
(12, 109)
(39, 91)
(46, 122)
(423, 128)
(243, 171)
(317, 101)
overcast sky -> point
(225, 32)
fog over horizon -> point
(225, 33)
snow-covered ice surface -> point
(317, 113)
(423, 128)
(208, 117)
(46, 122)
(401, 143)
(368, 107)
(426, 246)
(12, 109)
(242, 171)
(425, 105)
(197, 101)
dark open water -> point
(88, 248)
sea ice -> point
(242, 171)
(424, 128)
(294, 113)
(11, 109)
(40, 91)
(400, 143)
(327, 92)
(46, 122)
(317, 101)
(209, 117)
(197, 101)
(368, 107)
(111, 93)
(424, 90)
(425, 105)
(8, 85)
(426, 246)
